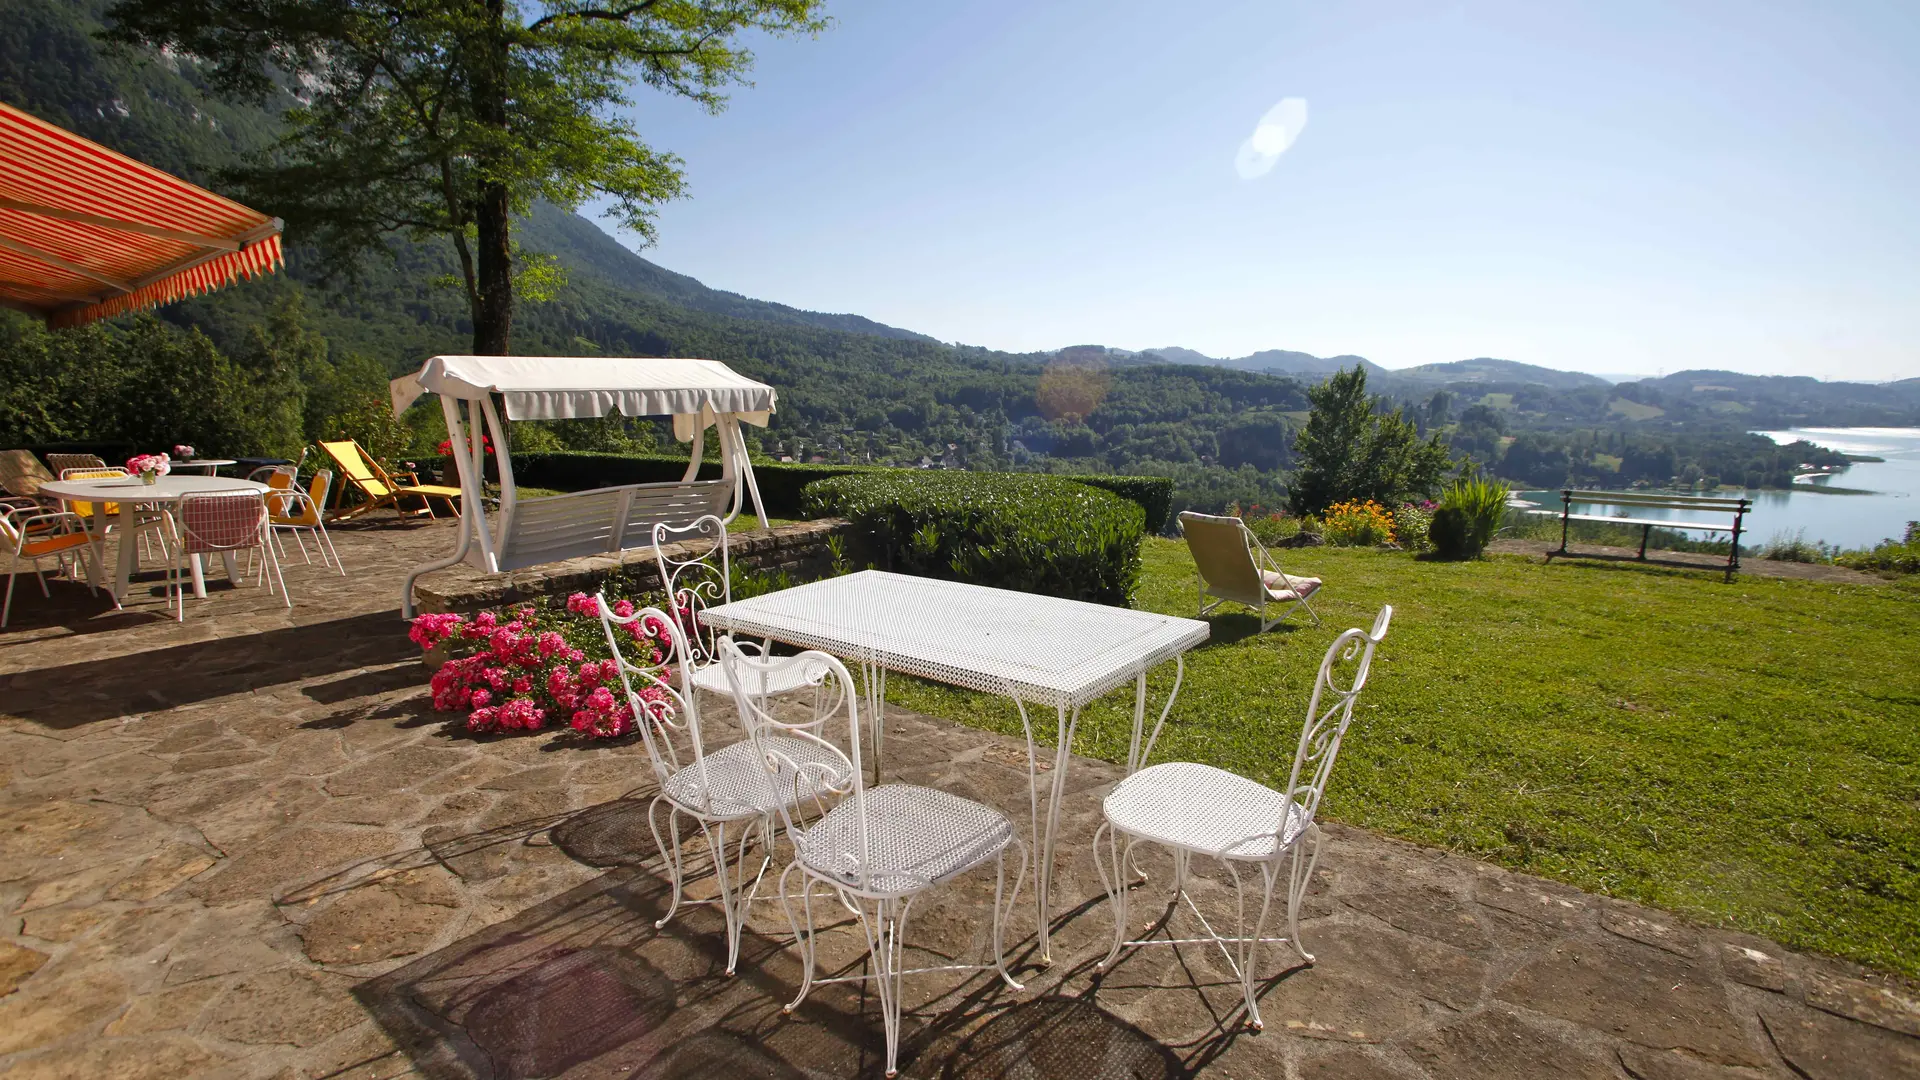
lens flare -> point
(1271, 137)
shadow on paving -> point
(72, 695)
(585, 985)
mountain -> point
(1488, 370)
(584, 246)
(1269, 361)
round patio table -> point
(128, 491)
(207, 463)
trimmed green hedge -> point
(1023, 531)
(780, 483)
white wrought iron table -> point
(1034, 649)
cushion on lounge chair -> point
(1289, 587)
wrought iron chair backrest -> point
(696, 579)
(221, 520)
(664, 714)
(813, 782)
(1328, 714)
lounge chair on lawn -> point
(1234, 565)
(380, 489)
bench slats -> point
(1665, 502)
(559, 527)
(1723, 526)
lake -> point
(1851, 521)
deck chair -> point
(365, 475)
(60, 463)
(21, 474)
(1233, 565)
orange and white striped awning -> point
(87, 234)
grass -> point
(1745, 755)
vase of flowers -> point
(184, 452)
(149, 467)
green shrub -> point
(1271, 529)
(1471, 509)
(1888, 556)
(1028, 532)
(1451, 533)
(1794, 547)
(780, 482)
(1410, 524)
(1153, 493)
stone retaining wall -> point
(799, 549)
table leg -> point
(875, 679)
(232, 566)
(129, 551)
(196, 563)
(1043, 883)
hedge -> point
(1023, 531)
(781, 483)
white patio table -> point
(1034, 649)
(128, 491)
(211, 464)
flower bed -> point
(540, 665)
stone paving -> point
(243, 847)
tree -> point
(1352, 448)
(448, 117)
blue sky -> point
(1619, 187)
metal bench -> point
(1692, 504)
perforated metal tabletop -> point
(1041, 649)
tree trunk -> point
(493, 307)
(493, 311)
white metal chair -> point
(879, 848)
(1233, 565)
(730, 786)
(1196, 809)
(700, 578)
(31, 534)
(217, 522)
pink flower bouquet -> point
(149, 467)
(183, 452)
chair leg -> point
(1116, 887)
(674, 867)
(321, 532)
(884, 930)
(1299, 880)
(6, 611)
(1247, 944)
(806, 950)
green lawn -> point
(1747, 755)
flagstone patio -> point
(245, 847)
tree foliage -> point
(445, 118)
(1351, 449)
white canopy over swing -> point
(698, 394)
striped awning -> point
(87, 234)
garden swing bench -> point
(698, 394)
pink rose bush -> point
(540, 666)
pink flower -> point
(601, 699)
(522, 685)
(550, 642)
(480, 698)
(623, 608)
